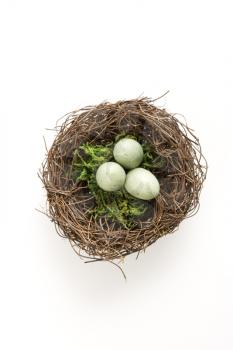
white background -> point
(60, 55)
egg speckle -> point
(142, 184)
(110, 176)
(128, 153)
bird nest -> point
(181, 172)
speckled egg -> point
(142, 184)
(128, 153)
(110, 176)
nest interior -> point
(181, 178)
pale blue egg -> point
(142, 184)
(128, 153)
(110, 176)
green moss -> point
(118, 206)
(151, 160)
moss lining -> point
(118, 206)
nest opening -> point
(181, 177)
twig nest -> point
(142, 184)
(172, 155)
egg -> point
(142, 184)
(110, 176)
(128, 153)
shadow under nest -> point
(181, 178)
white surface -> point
(59, 55)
